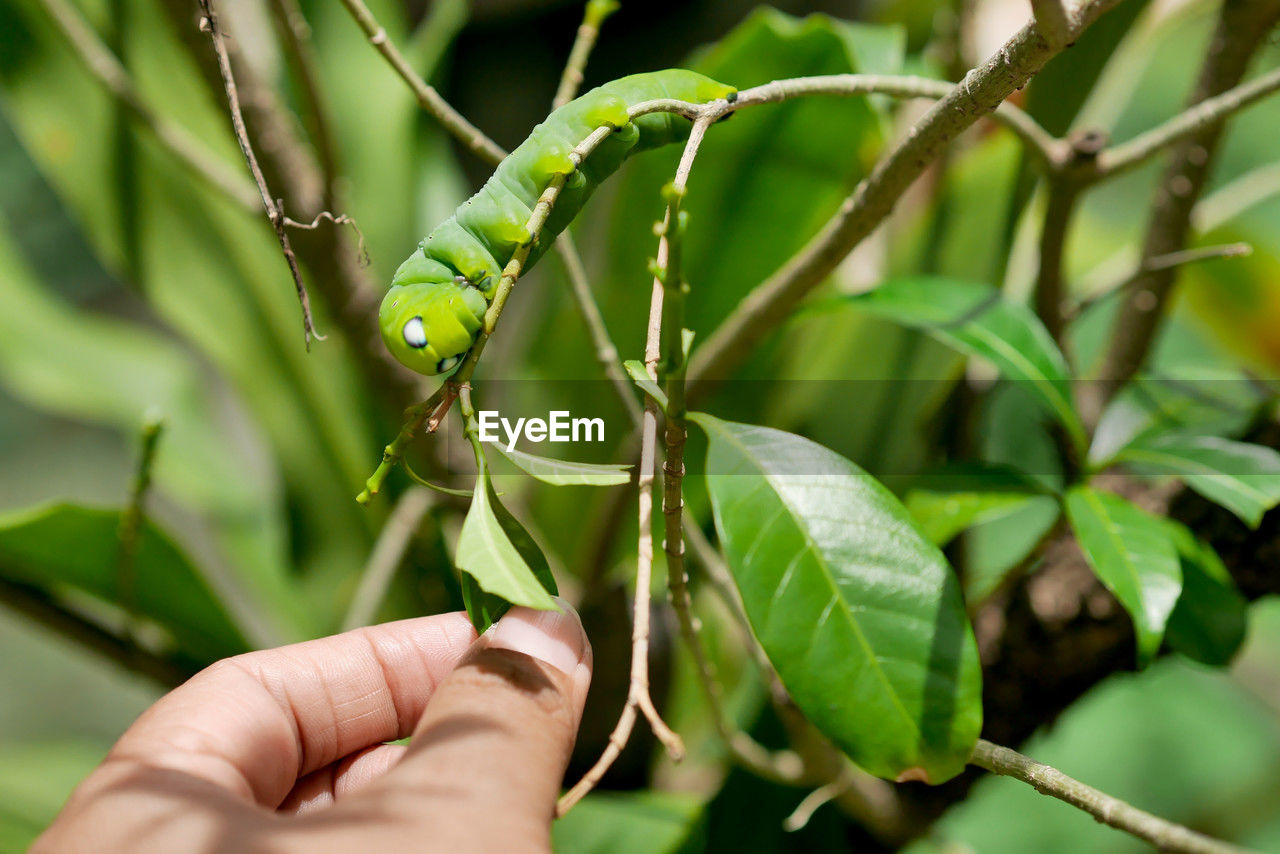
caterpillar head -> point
(430, 326)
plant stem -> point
(429, 99)
(980, 93)
(571, 79)
(134, 515)
(1051, 19)
(1164, 835)
(274, 213)
(1242, 27)
(384, 560)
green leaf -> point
(861, 616)
(976, 319)
(35, 780)
(1243, 477)
(640, 376)
(61, 546)
(628, 823)
(1133, 555)
(1208, 624)
(496, 551)
(485, 609)
(564, 472)
(948, 501)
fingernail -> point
(554, 637)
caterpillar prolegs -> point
(435, 307)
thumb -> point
(487, 759)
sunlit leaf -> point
(859, 613)
(976, 319)
(1243, 477)
(1133, 555)
(488, 552)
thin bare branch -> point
(605, 350)
(1158, 264)
(571, 79)
(1241, 29)
(112, 76)
(430, 100)
(1164, 835)
(980, 93)
(384, 560)
(275, 214)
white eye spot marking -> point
(414, 335)
(447, 364)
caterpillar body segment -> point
(435, 306)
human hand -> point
(282, 750)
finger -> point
(320, 789)
(490, 753)
(255, 723)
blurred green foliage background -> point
(128, 286)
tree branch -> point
(1164, 835)
(980, 93)
(1242, 28)
(1051, 20)
(571, 79)
(430, 100)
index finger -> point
(255, 723)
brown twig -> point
(571, 78)
(273, 207)
(1164, 835)
(980, 93)
(429, 99)
(1242, 28)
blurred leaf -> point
(946, 501)
(861, 616)
(976, 319)
(1132, 554)
(110, 371)
(35, 780)
(1243, 477)
(565, 472)
(790, 163)
(1208, 623)
(627, 823)
(64, 545)
(502, 558)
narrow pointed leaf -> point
(565, 472)
(1243, 477)
(859, 613)
(486, 552)
(975, 318)
(1133, 555)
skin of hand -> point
(283, 750)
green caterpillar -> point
(435, 307)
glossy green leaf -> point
(1133, 555)
(1208, 624)
(62, 546)
(485, 609)
(976, 319)
(489, 553)
(1243, 477)
(859, 613)
(566, 472)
